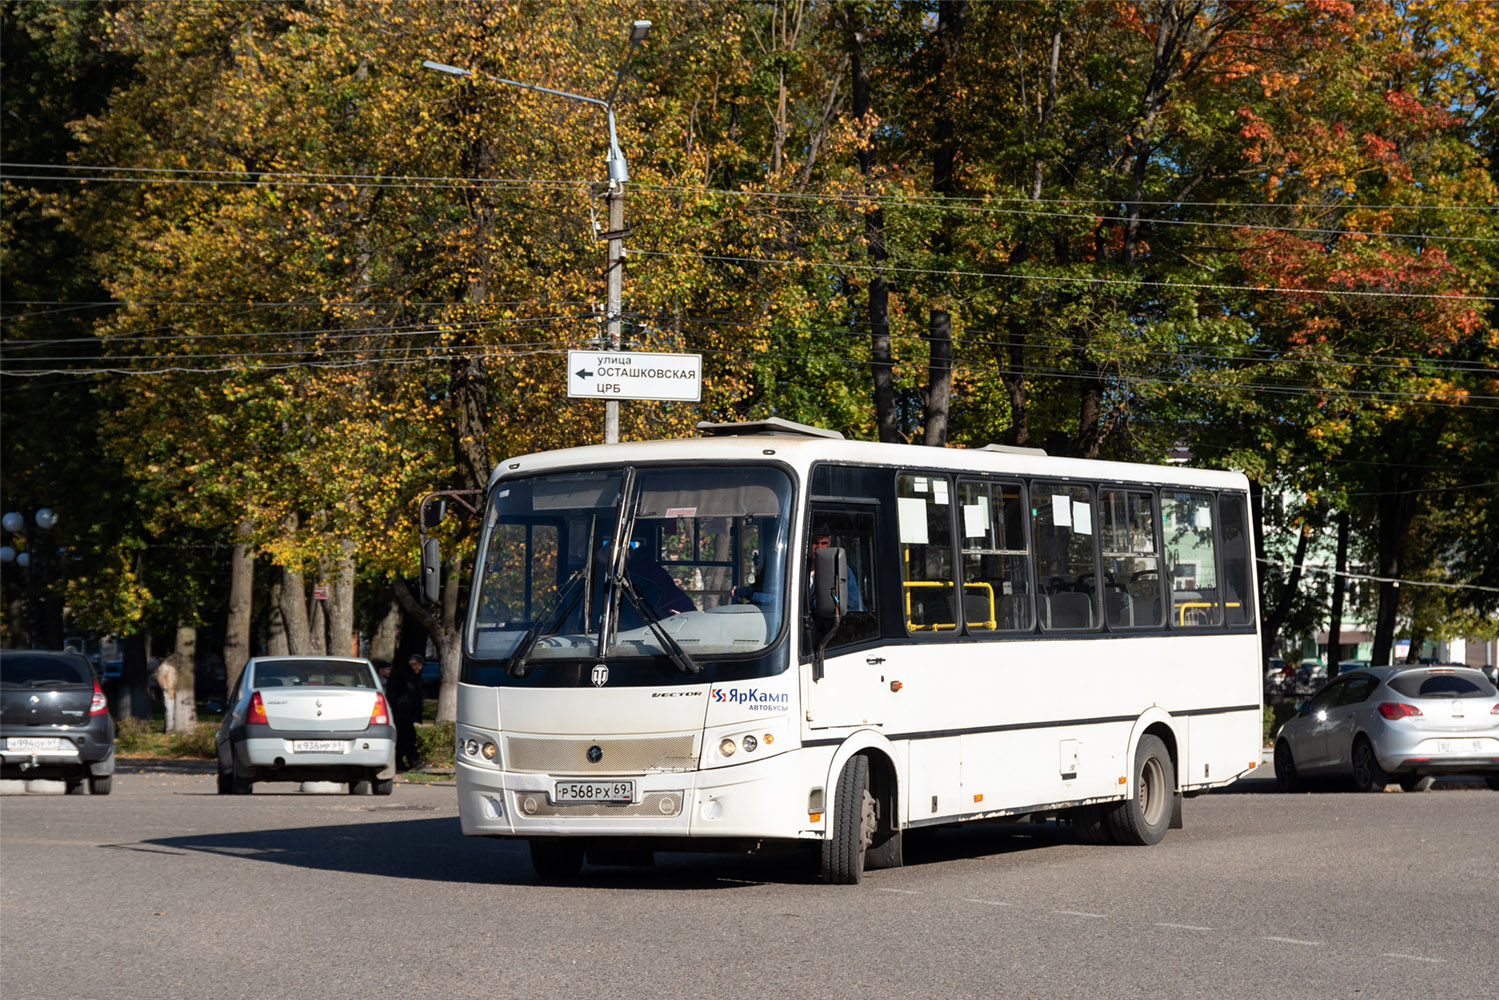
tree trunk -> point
(317, 627)
(874, 234)
(341, 604)
(276, 641)
(294, 612)
(939, 378)
(184, 657)
(1277, 617)
(237, 627)
(442, 629)
(135, 673)
(1339, 588)
(387, 630)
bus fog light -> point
(726, 746)
(489, 750)
(712, 809)
(529, 805)
(750, 743)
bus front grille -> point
(618, 755)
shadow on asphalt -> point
(432, 850)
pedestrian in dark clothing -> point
(404, 689)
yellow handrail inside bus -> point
(1181, 608)
(991, 623)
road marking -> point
(1185, 927)
(1309, 944)
(903, 892)
(987, 902)
(1413, 958)
(1080, 913)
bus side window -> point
(1066, 576)
(996, 557)
(1238, 592)
(1131, 567)
(854, 532)
(924, 505)
(1191, 551)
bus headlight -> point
(726, 746)
(489, 750)
(750, 743)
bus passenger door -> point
(847, 689)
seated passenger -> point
(656, 587)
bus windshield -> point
(698, 579)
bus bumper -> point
(755, 800)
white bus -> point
(769, 634)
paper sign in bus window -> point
(1061, 511)
(1082, 518)
(976, 519)
(912, 511)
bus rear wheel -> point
(854, 821)
(1144, 817)
(556, 858)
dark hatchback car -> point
(54, 721)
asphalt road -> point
(165, 889)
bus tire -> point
(1143, 818)
(556, 858)
(842, 861)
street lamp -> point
(618, 174)
(15, 523)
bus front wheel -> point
(1144, 817)
(854, 820)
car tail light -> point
(256, 713)
(379, 715)
(1495, 709)
(1397, 710)
(99, 705)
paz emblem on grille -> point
(595, 754)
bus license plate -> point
(594, 791)
(319, 746)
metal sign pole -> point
(615, 271)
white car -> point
(1393, 724)
(307, 718)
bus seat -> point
(1118, 606)
(1070, 609)
(1013, 611)
(976, 611)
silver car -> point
(1393, 724)
(307, 718)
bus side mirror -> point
(433, 511)
(431, 569)
(830, 583)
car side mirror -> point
(433, 512)
(1303, 707)
(431, 570)
(830, 583)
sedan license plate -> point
(33, 743)
(1459, 746)
(319, 746)
(594, 791)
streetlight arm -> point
(457, 71)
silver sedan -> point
(307, 718)
(1379, 725)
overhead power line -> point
(1323, 568)
(1064, 279)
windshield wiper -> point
(562, 600)
(623, 525)
(674, 650)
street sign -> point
(620, 375)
